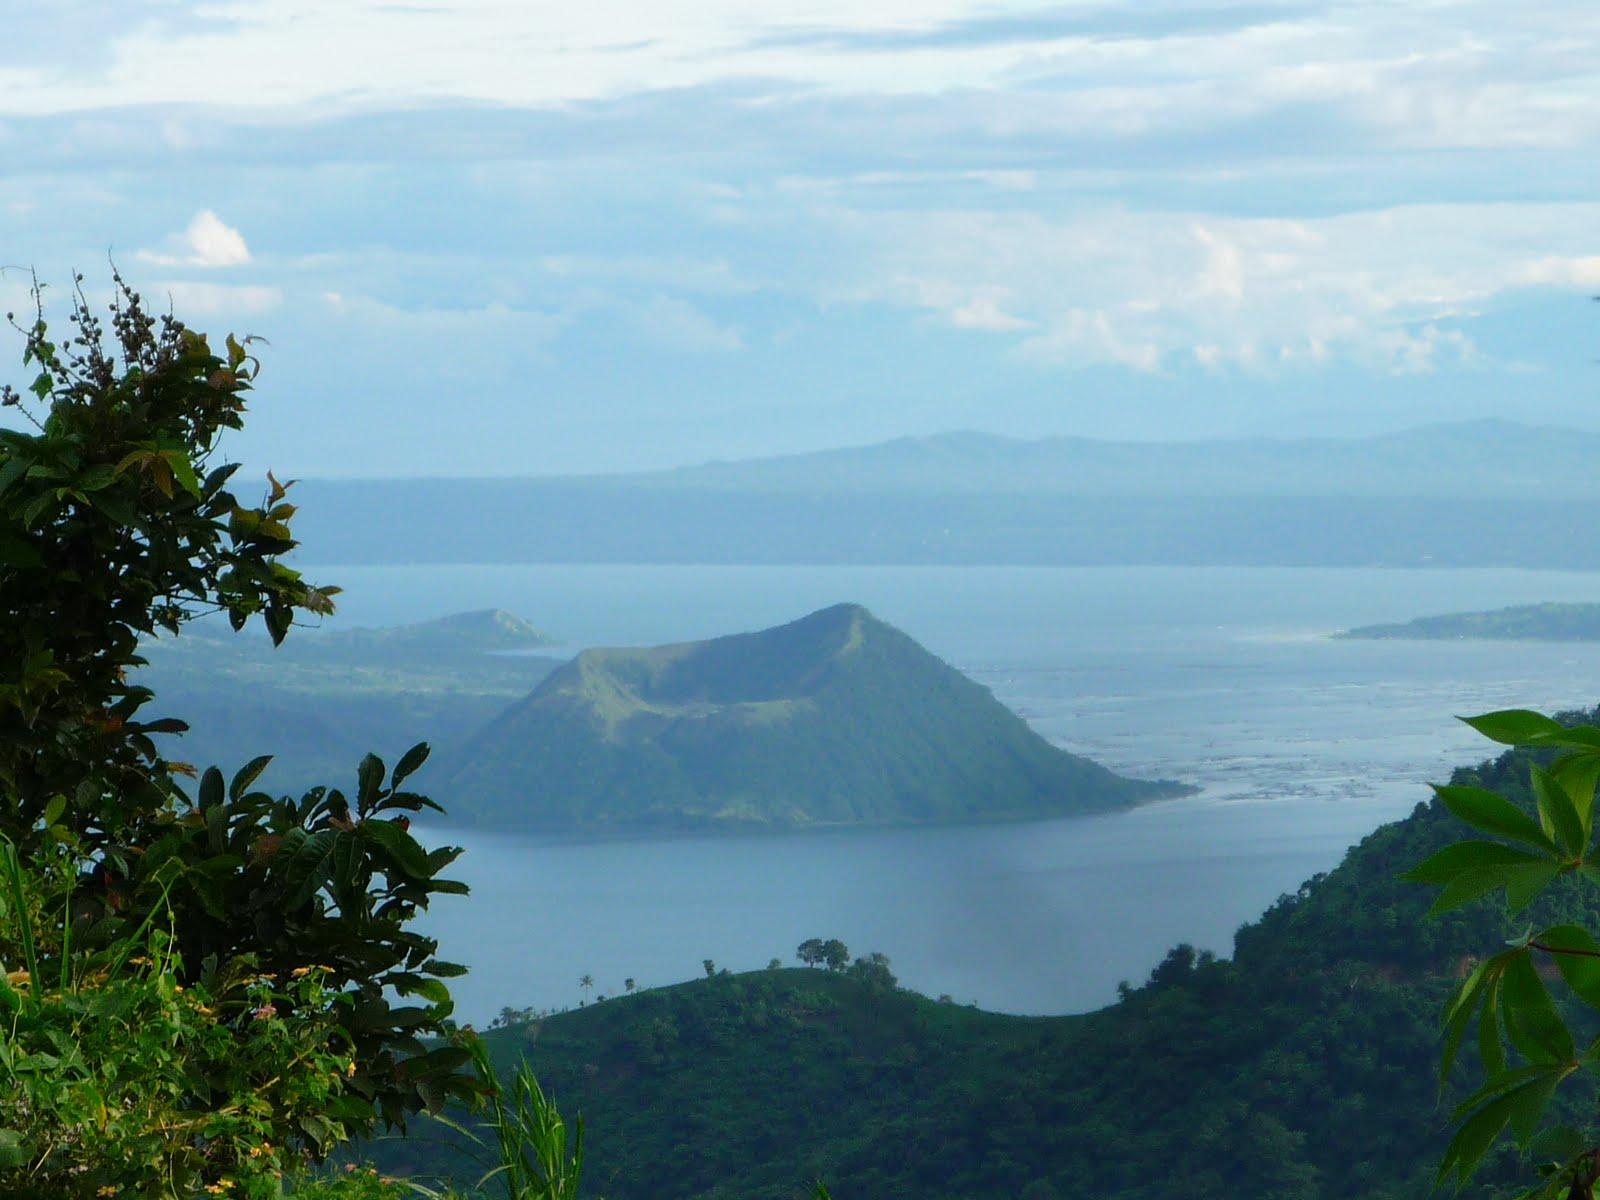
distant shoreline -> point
(1523, 622)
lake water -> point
(1221, 677)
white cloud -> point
(679, 325)
(1152, 291)
(206, 242)
(212, 300)
(984, 311)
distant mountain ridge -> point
(1470, 494)
(1450, 459)
(834, 719)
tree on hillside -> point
(810, 952)
(835, 954)
(586, 982)
(628, 985)
(131, 878)
(873, 970)
(710, 967)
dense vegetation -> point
(202, 986)
(1531, 622)
(836, 718)
(1302, 1069)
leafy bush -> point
(1525, 1039)
(202, 984)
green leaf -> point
(1532, 1022)
(1444, 866)
(54, 809)
(13, 1150)
(1526, 882)
(401, 847)
(410, 761)
(1493, 813)
(247, 775)
(433, 990)
(308, 866)
(1473, 1139)
(1514, 726)
(211, 788)
(1521, 881)
(1579, 773)
(369, 779)
(1558, 816)
(1580, 970)
(1479, 985)
(1528, 1103)
(1560, 1143)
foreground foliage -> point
(203, 983)
(1529, 1047)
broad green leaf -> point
(1580, 967)
(1521, 881)
(1444, 866)
(1577, 737)
(400, 845)
(1532, 1022)
(1557, 815)
(1473, 1139)
(1560, 1144)
(211, 788)
(369, 780)
(247, 775)
(1480, 985)
(1526, 882)
(1483, 809)
(308, 866)
(1514, 726)
(13, 1150)
(1528, 1103)
(410, 761)
(1579, 773)
(433, 990)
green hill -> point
(1528, 622)
(1302, 1069)
(323, 699)
(834, 719)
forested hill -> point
(1303, 1069)
(833, 719)
(1528, 622)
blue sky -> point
(510, 237)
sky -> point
(514, 237)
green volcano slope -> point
(834, 719)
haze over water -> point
(1220, 677)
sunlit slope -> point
(836, 718)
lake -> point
(1221, 677)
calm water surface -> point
(1221, 677)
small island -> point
(1524, 622)
(836, 719)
